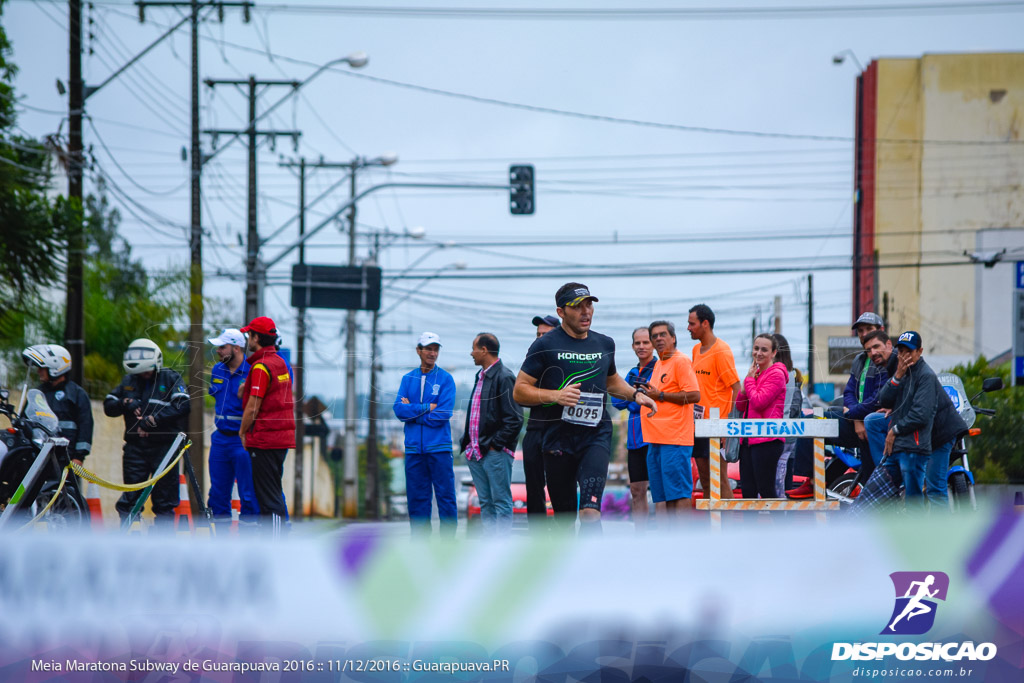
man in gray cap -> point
(860, 398)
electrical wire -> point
(613, 119)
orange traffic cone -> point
(92, 499)
(184, 508)
(236, 508)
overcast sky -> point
(598, 180)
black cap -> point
(574, 297)
(549, 320)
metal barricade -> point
(716, 429)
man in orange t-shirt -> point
(715, 368)
(674, 388)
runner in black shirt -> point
(566, 376)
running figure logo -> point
(916, 592)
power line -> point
(614, 119)
(650, 13)
(128, 176)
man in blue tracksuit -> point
(424, 403)
(636, 448)
(229, 461)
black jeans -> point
(533, 464)
(139, 464)
(758, 465)
(267, 470)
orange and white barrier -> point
(236, 507)
(92, 500)
(715, 428)
(184, 508)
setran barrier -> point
(716, 429)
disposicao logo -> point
(916, 593)
(913, 614)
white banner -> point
(766, 428)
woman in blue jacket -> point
(424, 404)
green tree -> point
(995, 454)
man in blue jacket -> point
(424, 403)
(636, 448)
(229, 461)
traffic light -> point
(520, 191)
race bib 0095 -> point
(587, 412)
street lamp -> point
(840, 57)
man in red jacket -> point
(268, 418)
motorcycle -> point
(960, 480)
(33, 458)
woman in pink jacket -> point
(763, 396)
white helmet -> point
(54, 358)
(142, 355)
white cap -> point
(230, 335)
(428, 338)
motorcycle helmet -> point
(53, 357)
(142, 355)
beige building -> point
(939, 168)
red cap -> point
(261, 325)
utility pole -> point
(351, 504)
(300, 359)
(196, 343)
(300, 430)
(74, 324)
(253, 278)
(810, 333)
(372, 470)
(778, 315)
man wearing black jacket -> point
(912, 393)
(947, 427)
(155, 406)
(67, 400)
(492, 429)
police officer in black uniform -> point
(155, 407)
(67, 400)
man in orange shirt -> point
(674, 388)
(715, 368)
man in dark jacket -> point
(155, 407)
(533, 459)
(67, 400)
(912, 395)
(947, 427)
(493, 422)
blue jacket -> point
(634, 436)
(874, 379)
(224, 387)
(426, 431)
